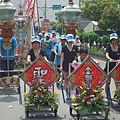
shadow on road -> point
(8, 99)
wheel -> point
(27, 113)
(58, 84)
(55, 113)
(51, 109)
(70, 111)
(78, 116)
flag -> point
(30, 8)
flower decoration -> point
(19, 63)
(91, 100)
(117, 95)
(41, 95)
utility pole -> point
(45, 9)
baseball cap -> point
(40, 34)
(113, 36)
(43, 32)
(76, 36)
(63, 37)
(70, 38)
(35, 38)
(47, 35)
(53, 31)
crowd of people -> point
(61, 51)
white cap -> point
(35, 38)
(70, 38)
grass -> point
(101, 52)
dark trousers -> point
(4, 66)
(52, 56)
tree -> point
(110, 19)
(94, 10)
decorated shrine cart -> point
(89, 102)
(40, 77)
(115, 101)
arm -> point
(61, 61)
(16, 51)
(46, 59)
(108, 57)
(0, 52)
(28, 59)
(55, 50)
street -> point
(10, 109)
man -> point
(8, 54)
(57, 51)
(47, 45)
(55, 41)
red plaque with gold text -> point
(115, 72)
(40, 71)
(89, 73)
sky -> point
(50, 14)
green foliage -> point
(91, 101)
(105, 12)
(19, 63)
(117, 96)
(110, 19)
(95, 50)
(94, 11)
(105, 40)
(41, 95)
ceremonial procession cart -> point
(89, 101)
(19, 27)
(40, 77)
(114, 100)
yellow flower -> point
(73, 98)
(35, 91)
(57, 93)
(45, 90)
(84, 92)
(113, 91)
(95, 90)
(25, 94)
(104, 94)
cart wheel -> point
(27, 113)
(55, 112)
(70, 110)
(78, 116)
(51, 109)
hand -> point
(16, 56)
(75, 62)
(61, 69)
(111, 60)
(28, 61)
(57, 54)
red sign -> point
(89, 73)
(46, 24)
(115, 73)
(40, 71)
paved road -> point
(10, 109)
